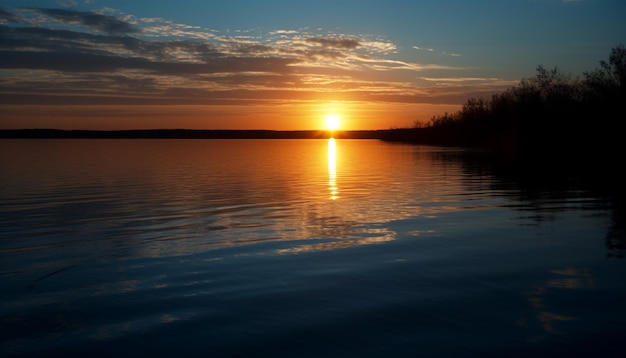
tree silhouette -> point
(546, 117)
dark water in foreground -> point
(299, 248)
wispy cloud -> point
(423, 49)
(443, 53)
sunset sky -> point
(286, 65)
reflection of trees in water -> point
(616, 237)
(547, 188)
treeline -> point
(551, 114)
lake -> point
(300, 248)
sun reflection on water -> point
(332, 169)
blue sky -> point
(285, 62)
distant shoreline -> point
(187, 134)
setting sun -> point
(332, 122)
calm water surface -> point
(299, 248)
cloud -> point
(444, 53)
(94, 21)
(283, 32)
(76, 61)
(459, 79)
(66, 56)
(423, 48)
(334, 43)
(6, 16)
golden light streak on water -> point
(332, 169)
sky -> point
(282, 65)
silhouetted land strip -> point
(184, 134)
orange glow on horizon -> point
(287, 116)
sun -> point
(332, 122)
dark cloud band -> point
(97, 22)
